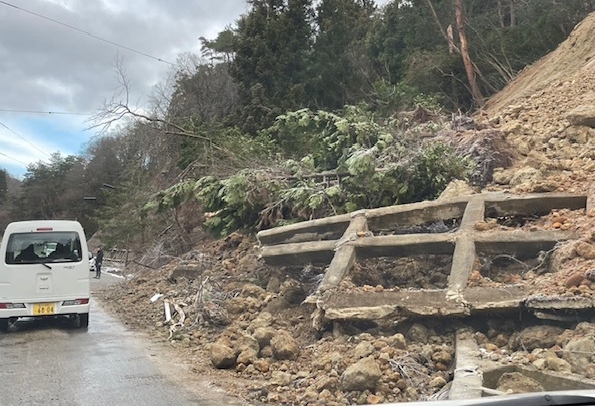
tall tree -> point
(220, 49)
(207, 94)
(3, 186)
(272, 53)
(470, 69)
(55, 190)
(341, 68)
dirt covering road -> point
(245, 327)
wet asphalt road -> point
(51, 362)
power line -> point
(14, 159)
(86, 33)
(23, 138)
(45, 112)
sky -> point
(57, 62)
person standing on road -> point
(98, 263)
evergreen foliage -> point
(272, 53)
(369, 165)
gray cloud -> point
(48, 66)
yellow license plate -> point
(43, 309)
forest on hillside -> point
(299, 109)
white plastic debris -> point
(167, 311)
(156, 297)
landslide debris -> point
(244, 324)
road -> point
(52, 362)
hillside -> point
(246, 318)
(547, 115)
(557, 70)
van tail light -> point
(75, 302)
(12, 305)
(45, 229)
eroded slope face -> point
(547, 114)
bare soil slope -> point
(575, 56)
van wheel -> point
(84, 320)
(4, 325)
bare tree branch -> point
(118, 108)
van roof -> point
(43, 225)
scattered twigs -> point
(168, 318)
(409, 368)
(143, 265)
(180, 313)
(199, 300)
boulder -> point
(585, 250)
(398, 341)
(536, 337)
(333, 360)
(579, 353)
(557, 364)
(264, 319)
(280, 378)
(250, 290)
(583, 115)
(525, 175)
(247, 357)
(418, 333)
(274, 285)
(222, 356)
(326, 382)
(264, 335)
(262, 365)
(284, 346)
(246, 342)
(503, 176)
(360, 376)
(457, 188)
(363, 349)
(515, 382)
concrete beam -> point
(468, 378)
(536, 204)
(464, 253)
(389, 218)
(422, 303)
(540, 302)
(377, 305)
(519, 242)
(299, 253)
(404, 245)
(335, 225)
(344, 256)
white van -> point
(44, 271)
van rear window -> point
(55, 246)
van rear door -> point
(45, 264)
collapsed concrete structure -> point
(463, 229)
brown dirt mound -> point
(572, 59)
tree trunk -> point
(475, 92)
(501, 13)
(512, 13)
